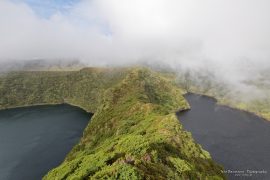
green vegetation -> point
(134, 133)
(82, 88)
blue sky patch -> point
(46, 8)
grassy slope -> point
(209, 87)
(134, 133)
(260, 107)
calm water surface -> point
(237, 140)
(33, 140)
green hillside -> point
(134, 133)
(205, 83)
(83, 88)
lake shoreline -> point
(45, 104)
(229, 106)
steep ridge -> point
(134, 133)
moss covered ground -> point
(134, 133)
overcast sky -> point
(223, 33)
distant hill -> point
(41, 65)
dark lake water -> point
(34, 140)
(238, 140)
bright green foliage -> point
(134, 133)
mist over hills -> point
(249, 90)
(228, 39)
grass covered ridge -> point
(134, 133)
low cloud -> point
(229, 38)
